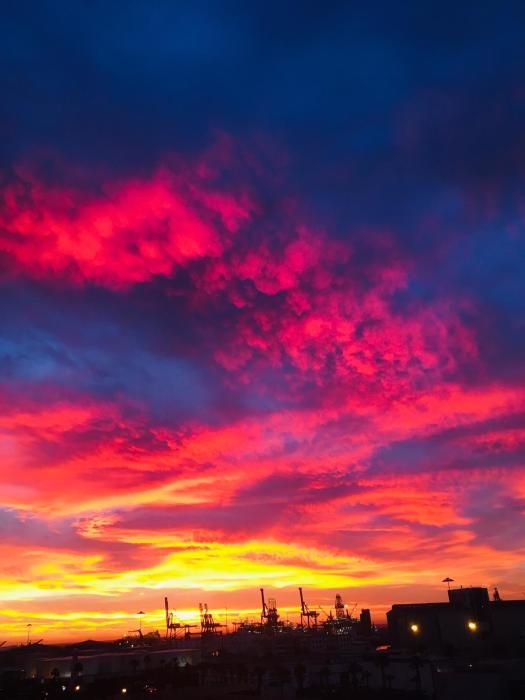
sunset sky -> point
(262, 307)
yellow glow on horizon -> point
(212, 566)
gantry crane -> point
(310, 615)
(208, 625)
(172, 626)
(341, 610)
(269, 614)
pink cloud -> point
(126, 233)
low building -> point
(110, 663)
(468, 623)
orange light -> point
(473, 626)
(414, 628)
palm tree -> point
(300, 673)
(77, 669)
(416, 664)
(282, 677)
(259, 674)
(324, 675)
(354, 668)
(382, 661)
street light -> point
(473, 626)
(414, 628)
(140, 614)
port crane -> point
(269, 614)
(172, 626)
(208, 625)
(310, 615)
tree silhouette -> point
(259, 674)
(77, 668)
(300, 673)
(416, 664)
(382, 661)
(354, 668)
(324, 675)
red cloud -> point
(299, 297)
(128, 232)
(359, 375)
(305, 306)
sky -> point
(262, 308)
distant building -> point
(365, 623)
(108, 663)
(468, 622)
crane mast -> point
(310, 615)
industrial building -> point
(470, 622)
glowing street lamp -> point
(414, 628)
(473, 626)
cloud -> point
(129, 233)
